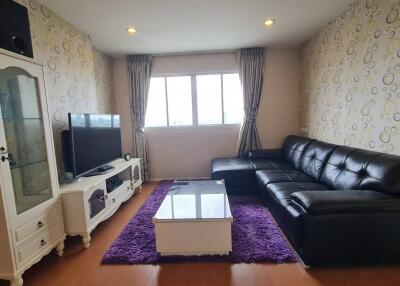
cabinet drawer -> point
(37, 224)
(39, 244)
(118, 194)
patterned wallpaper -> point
(350, 78)
(104, 82)
(78, 77)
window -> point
(156, 113)
(179, 92)
(209, 99)
(233, 104)
(194, 100)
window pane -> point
(179, 90)
(209, 107)
(233, 99)
(156, 113)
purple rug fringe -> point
(255, 236)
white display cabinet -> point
(31, 222)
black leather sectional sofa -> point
(335, 204)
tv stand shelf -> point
(86, 203)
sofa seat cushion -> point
(281, 192)
(230, 164)
(346, 201)
(268, 164)
(273, 176)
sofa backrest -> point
(315, 157)
(294, 147)
(356, 169)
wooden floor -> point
(79, 266)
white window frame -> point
(194, 100)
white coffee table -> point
(194, 219)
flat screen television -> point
(92, 141)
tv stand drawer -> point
(119, 193)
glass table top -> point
(195, 200)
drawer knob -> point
(40, 224)
(42, 242)
(113, 200)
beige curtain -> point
(139, 71)
(251, 72)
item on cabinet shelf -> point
(113, 182)
(99, 171)
(31, 222)
(97, 202)
(90, 200)
(127, 156)
(15, 34)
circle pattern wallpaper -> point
(350, 78)
(78, 77)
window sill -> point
(193, 127)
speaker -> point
(15, 34)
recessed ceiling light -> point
(269, 22)
(131, 30)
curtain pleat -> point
(251, 72)
(139, 72)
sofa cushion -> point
(230, 164)
(238, 174)
(265, 164)
(345, 201)
(353, 169)
(315, 157)
(382, 174)
(281, 192)
(293, 149)
(266, 177)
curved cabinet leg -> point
(17, 281)
(86, 240)
(60, 248)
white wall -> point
(278, 114)
(186, 152)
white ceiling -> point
(174, 26)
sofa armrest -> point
(345, 201)
(265, 154)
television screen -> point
(95, 141)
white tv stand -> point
(86, 203)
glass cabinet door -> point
(25, 149)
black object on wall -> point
(92, 141)
(15, 34)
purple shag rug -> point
(255, 236)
